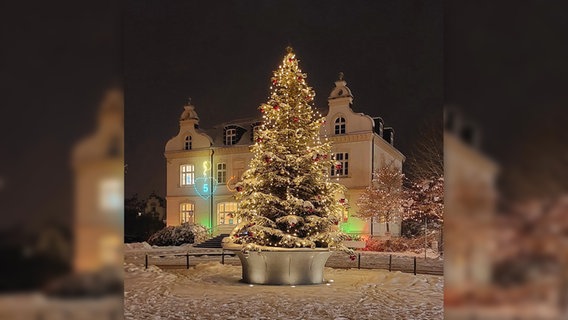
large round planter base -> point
(284, 267)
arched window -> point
(340, 125)
(186, 213)
(187, 144)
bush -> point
(399, 244)
(178, 235)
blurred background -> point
(506, 160)
(61, 169)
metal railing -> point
(187, 255)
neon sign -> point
(205, 186)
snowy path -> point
(213, 291)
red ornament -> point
(262, 110)
(341, 200)
(300, 78)
(276, 107)
(259, 140)
(338, 167)
(352, 257)
(250, 234)
(296, 119)
(274, 82)
(239, 188)
(268, 159)
(290, 59)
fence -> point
(415, 265)
(187, 255)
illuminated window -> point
(340, 125)
(226, 213)
(341, 166)
(187, 174)
(221, 173)
(230, 136)
(186, 213)
(187, 144)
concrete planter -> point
(282, 266)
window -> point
(186, 213)
(187, 144)
(340, 125)
(230, 136)
(226, 213)
(221, 173)
(341, 167)
(187, 174)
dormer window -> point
(230, 136)
(187, 143)
(340, 125)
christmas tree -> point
(286, 198)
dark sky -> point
(57, 59)
(223, 56)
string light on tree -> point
(286, 196)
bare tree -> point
(426, 160)
(383, 199)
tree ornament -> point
(239, 188)
(259, 140)
(342, 201)
(338, 166)
(296, 119)
(352, 257)
(277, 107)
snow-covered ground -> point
(210, 290)
(213, 291)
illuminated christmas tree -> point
(286, 196)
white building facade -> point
(203, 167)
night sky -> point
(222, 56)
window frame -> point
(185, 214)
(222, 208)
(188, 143)
(185, 173)
(340, 125)
(230, 136)
(343, 158)
(222, 170)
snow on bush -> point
(178, 235)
